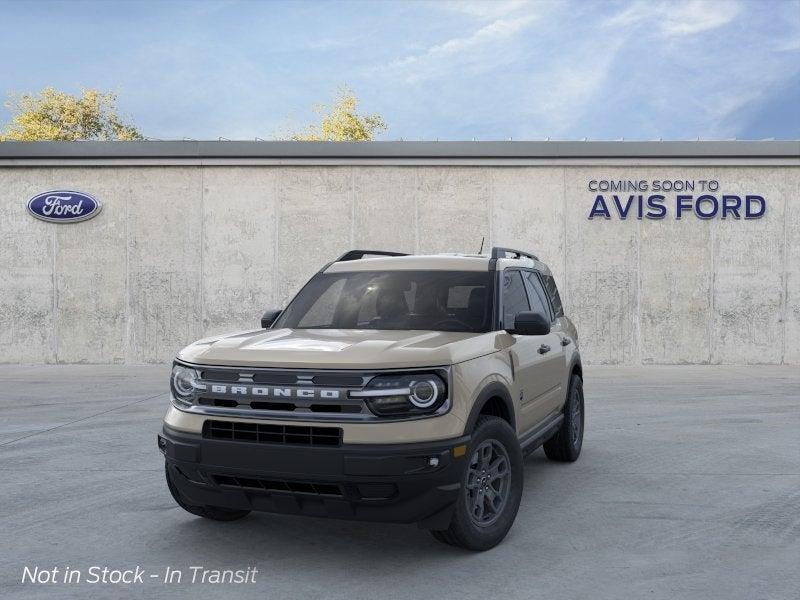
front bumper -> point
(399, 483)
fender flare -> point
(576, 362)
(494, 389)
(574, 365)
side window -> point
(555, 298)
(515, 300)
(536, 294)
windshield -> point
(429, 300)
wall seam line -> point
(564, 220)
(276, 300)
(127, 348)
(56, 317)
(712, 291)
(490, 209)
(416, 210)
(203, 324)
(638, 316)
(352, 207)
(785, 298)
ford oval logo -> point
(63, 206)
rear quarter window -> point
(537, 295)
(552, 292)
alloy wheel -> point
(488, 484)
(577, 418)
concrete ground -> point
(688, 487)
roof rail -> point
(358, 254)
(500, 252)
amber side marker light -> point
(459, 451)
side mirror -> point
(269, 318)
(530, 323)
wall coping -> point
(498, 153)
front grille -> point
(339, 380)
(219, 375)
(272, 434)
(275, 378)
(273, 485)
(352, 407)
(306, 395)
(335, 408)
(285, 406)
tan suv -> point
(393, 387)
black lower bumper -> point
(399, 483)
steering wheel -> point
(452, 320)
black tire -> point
(565, 445)
(215, 513)
(497, 510)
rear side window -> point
(552, 291)
(515, 300)
(537, 295)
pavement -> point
(688, 487)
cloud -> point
(678, 18)
(482, 46)
(561, 62)
(486, 9)
(491, 70)
(703, 85)
(329, 43)
(563, 92)
(498, 30)
(698, 16)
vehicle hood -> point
(339, 348)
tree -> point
(341, 122)
(56, 115)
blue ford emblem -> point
(63, 206)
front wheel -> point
(491, 489)
(565, 445)
(215, 513)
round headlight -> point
(423, 393)
(183, 380)
(404, 394)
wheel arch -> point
(576, 368)
(495, 400)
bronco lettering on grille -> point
(274, 392)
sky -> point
(518, 69)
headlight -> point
(184, 383)
(424, 394)
(404, 395)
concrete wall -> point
(179, 252)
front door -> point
(535, 357)
(556, 357)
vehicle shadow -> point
(266, 537)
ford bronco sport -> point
(393, 387)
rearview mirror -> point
(530, 323)
(269, 318)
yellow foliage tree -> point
(341, 122)
(56, 115)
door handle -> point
(544, 349)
